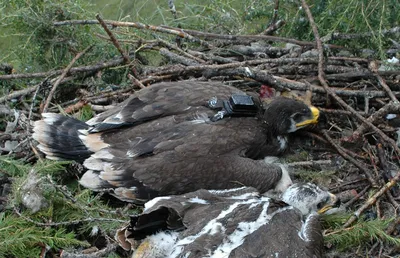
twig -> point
(171, 6)
(67, 194)
(138, 25)
(309, 163)
(189, 34)
(391, 107)
(114, 40)
(75, 107)
(340, 150)
(373, 199)
(337, 35)
(125, 56)
(19, 93)
(373, 66)
(358, 196)
(153, 79)
(180, 51)
(274, 24)
(100, 253)
(67, 223)
(74, 70)
(322, 80)
(61, 77)
(177, 58)
(136, 81)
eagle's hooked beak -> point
(315, 113)
(333, 202)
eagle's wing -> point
(160, 100)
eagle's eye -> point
(297, 116)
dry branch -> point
(61, 77)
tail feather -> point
(58, 137)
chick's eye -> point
(320, 205)
(323, 203)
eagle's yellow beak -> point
(333, 201)
(313, 120)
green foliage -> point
(37, 45)
(31, 43)
(13, 167)
(20, 238)
(51, 167)
(85, 113)
(347, 16)
(72, 212)
(361, 233)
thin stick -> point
(61, 77)
(66, 223)
(123, 54)
(341, 151)
(372, 200)
(189, 34)
(373, 66)
(79, 69)
(322, 80)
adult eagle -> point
(232, 223)
(168, 139)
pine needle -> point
(22, 239)
(362, 233)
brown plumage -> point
(161, 141)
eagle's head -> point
(284, 115)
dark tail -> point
(58, 137)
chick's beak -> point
(332, 203)
(143, 250)
(315, 113)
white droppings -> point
(393, 60)
(95, 230)
(248, 71)
(391, 116)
